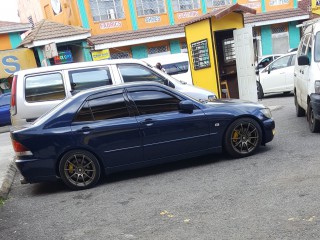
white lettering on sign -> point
(188, 14)
(253, 5)
(152, 19)
(114, 24)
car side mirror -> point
(186, 106)
(303, 60)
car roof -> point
(79, 65)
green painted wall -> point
(266, 40)
(139, 52)
(204, 6)
(86, 52)
(83, 14)
(175, 46)
(15, 39)
(133, 16)
(263, 6)
(294, 35)
(170, 12)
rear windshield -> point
(176, 68)
(317, 48)
(4, 100)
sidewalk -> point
(7, 167)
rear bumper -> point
(35, 170)
(269, 130)
(315, 104)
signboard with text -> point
(100, 55)
(63, 57)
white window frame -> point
(177, 5)
(111, 14)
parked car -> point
(277, 77)
(177, 65)
(5, 109)
(265, 61)
(115, 128)
(36, 91)
(306, 76)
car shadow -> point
(277, 95)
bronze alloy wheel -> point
(243, 137)
(79, 170)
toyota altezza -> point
(115, 128)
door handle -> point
(148, 122)
(84, 130)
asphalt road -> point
(271, 195)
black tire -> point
(300, 112)
(79, 169)
(314, 124)
(259, 90)
(243, 137)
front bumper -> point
(36, 170)
(269, 130)
(315, 104)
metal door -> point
(243, 42)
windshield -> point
(317, 48)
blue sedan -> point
(5, 109)
(116, 128)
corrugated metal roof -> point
(220, 12)
(132, 35)
(45, 30)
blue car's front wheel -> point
(79, 169)
(243, 137)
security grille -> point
(278, 2)
(149, 7)
(120, 55)
(106, 10)
(229, 50)
(156, 50)
(182, 5)
(218, 3)
(279, 29)
(183, 45)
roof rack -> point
(305, 24)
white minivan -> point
(36, 91)
(307, 76)
(177, 65)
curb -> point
(8, 180)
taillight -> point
(20, 149)
(13, 108)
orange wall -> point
(5, 43)
(150, 21)
(255, 4)
(69, 14)
(278, 7)
(180, 17)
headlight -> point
(317, 86)
(211, 98)
(266, 112)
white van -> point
(307, 76)
(35, 91)
(177, 65)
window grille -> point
(278, 2)
(149, 7)
(229, 50)
(156, 50)
(217, 3)
(183, 5)
(30, 20)
(102, 10)
(183, 45)
(120, 55)
(279, 29)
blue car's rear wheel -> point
(243, 137)
(79, 169)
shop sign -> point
(100, 55)
(255, 5)
(315, 6)
(188, 14)
(107, 25)
(15, 60)
(63, 57)
(152, 19)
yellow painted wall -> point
(5, 42)
(231, 21)
(289, 5)
(69, 14)
(206, 77)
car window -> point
(89, 78)
(46, 87)
(293, 60)
(317, 47)
(134, 73)
(176, 68)
(5, 100)
(303, 45)
(104, 108)
(280, 63)
(151, 102)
